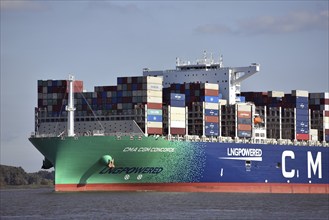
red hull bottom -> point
(200, 187)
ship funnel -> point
(70, 108)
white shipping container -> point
(326, 125)
(223, 102)
(326, 120)
(213, 86)
(177, 124)
(213, 106)
(154, 87)
(44, 90)
(299, 93)
(314, 137)
(49, 108)
(275, 94)
(177, 110)
(244, 107)
(154, 124)
(177, 117)
(154, 79)
(154, 111)
(152, 99)
(154, 93)
(313, 131)
(119, 106)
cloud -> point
(293, 22)
(22, 5)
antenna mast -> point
(70, 109)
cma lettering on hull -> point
(132, 170)
(314, 166)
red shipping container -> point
(244, 127)
(302, 137)
(211, 92)
(154, 105)
(154, 130)
(77, 86)
(244, 114)
(180, 131)
(211, 119)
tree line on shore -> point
(16, 176)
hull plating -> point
(161, 165)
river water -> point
(47, 204)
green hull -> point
(82, 160)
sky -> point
(99, 41)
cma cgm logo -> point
(313, 165)
(252, 154)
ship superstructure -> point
(208, 70)
(189, 127)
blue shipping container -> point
(175, 103)
(241, 99)
(246, 121)
(244, 134)
(300, 99)
(212, 99)
(302, 124)
(211, 125)
(211, 133)
(177, 96)
(211, 112)
(301, 130)
(302, 118)
(300, 111)
(156, 118)
(302, 105)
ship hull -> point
(152, 164)
(200, 187)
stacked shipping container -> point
(154, 105)
(244, 120)
(177, 114)
(52, 96)
(319, 104)
(211, 109)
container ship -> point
(188, 129)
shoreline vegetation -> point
(16, 178)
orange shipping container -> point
(243, 127)
(154, 105)
(211, 119)
(180, 131)
(154, 130)
(211, 92)
(303, 137)
(244, 114)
